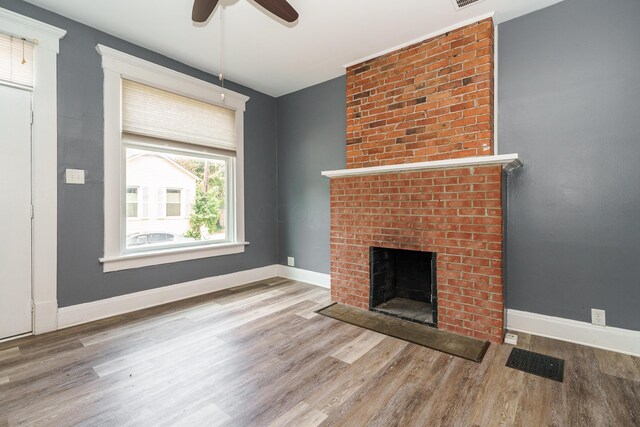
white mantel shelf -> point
(502, 159)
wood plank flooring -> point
(258, 355)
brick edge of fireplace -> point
(464, 227)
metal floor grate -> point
(537, 364)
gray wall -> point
(311, 138)
(570, 106)
(80, 145)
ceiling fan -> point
(202, 9)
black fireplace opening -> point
(403, 284)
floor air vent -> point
(536, 364)
(459, 4)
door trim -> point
(44, 136)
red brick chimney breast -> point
(429, 101)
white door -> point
(15, 211)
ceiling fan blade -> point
(280, 8)
(202, 9)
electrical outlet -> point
(291, 262)
(511, 339)
(74, 176)
(598, 317)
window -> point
(180, 151)
(179, 147)
(174, 202)
(186, 195)
(132, 202)
(16, 61)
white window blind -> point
(156, 113)
(13, 52)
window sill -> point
(167, 256)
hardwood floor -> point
(258, 355)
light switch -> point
(74, 176)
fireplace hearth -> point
(403, 284)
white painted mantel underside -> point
(502, 159)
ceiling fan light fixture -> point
(203, 9)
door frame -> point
(44, 140)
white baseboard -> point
(311, 277)
(45, 316)
(96, 310)
(605, 337)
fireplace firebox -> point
(403, 284)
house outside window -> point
(179, 147)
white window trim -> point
(117, 66)
(44, 138)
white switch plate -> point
(511, 339)
(598, 317)
(74, 176)
(291, 262)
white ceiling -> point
(263, 53)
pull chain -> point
(24, 61)
(221, 76)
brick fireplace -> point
(428, 106)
